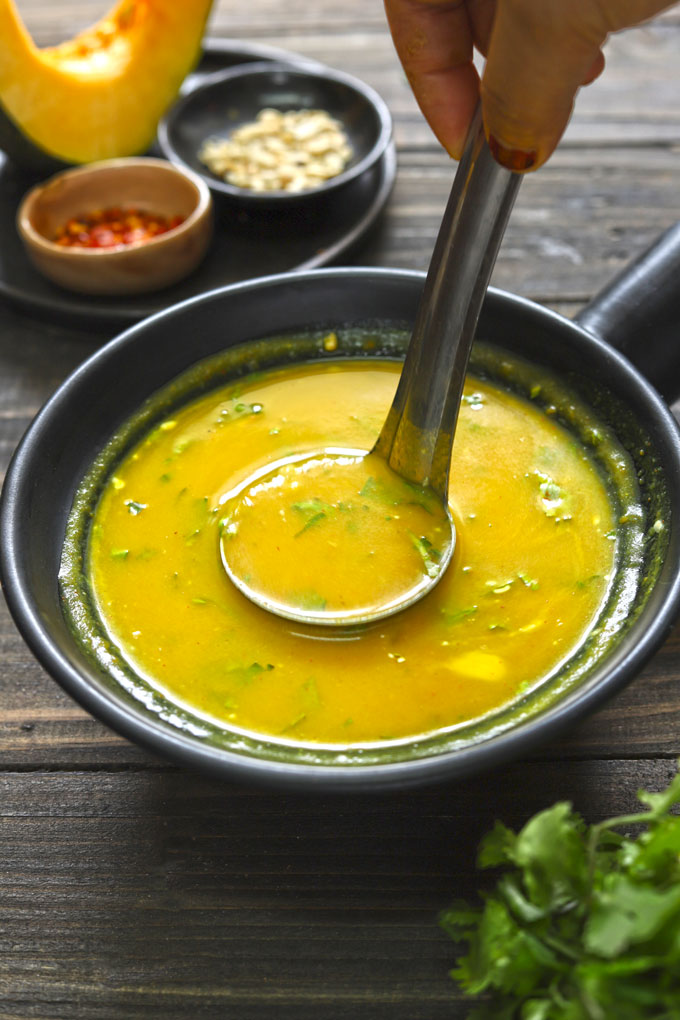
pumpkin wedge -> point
(101, 94)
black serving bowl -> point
(234, 97)
(109, 387)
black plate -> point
(244, 247)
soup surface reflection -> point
(532, 565)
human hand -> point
(539, 53)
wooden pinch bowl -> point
(153, 185)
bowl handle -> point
(639, 313)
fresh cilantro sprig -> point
(584, 921)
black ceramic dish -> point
(234, 97)
(244, 247)
(241, 250)
(80, 418)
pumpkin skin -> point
(101, 94)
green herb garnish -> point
(583, 923)
(452, 616)
(238, 409)
(134, 507)
(402, 493)
(311, 506)
(427, 552)
(372, 489)
(554, 500)
(314, 519)
(296, 722)
(244, 675)
(588, 580)
(314, 510)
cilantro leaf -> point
(430, 556)
(583, 922)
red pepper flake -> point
(109, 228)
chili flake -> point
(107, 228)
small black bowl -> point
(234, 97)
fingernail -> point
(512, 159)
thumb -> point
(539, 55)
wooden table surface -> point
(131, 888)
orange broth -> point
(532, 566)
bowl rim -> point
(263, 68)
(31, 236)
(179, 747)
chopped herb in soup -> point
(534, 557)
(383, 538)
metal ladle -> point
(416, 439)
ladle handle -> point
(417, 436)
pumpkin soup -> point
(381, 541)
(533, 563)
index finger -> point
(434, 42)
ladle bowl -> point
(377, 589)
(114, 383)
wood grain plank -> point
(239, 16)
(575, 224)
(161, 894)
